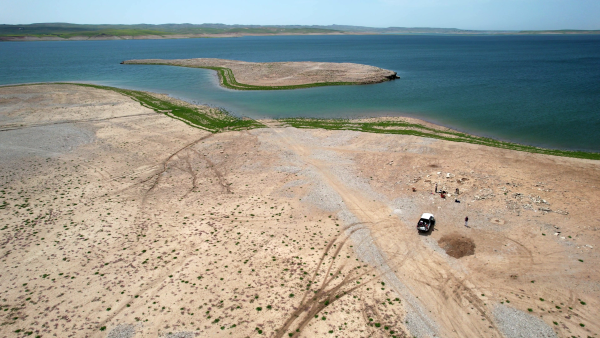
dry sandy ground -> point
(120, 222)
(286, 73)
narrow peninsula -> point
(243, 75)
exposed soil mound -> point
(457, 245)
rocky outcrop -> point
(393, 76)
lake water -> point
(538, 90)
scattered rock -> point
(183, 334)
(518, 324)
(122, 331)
(484, 194)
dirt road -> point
(437, 292)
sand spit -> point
(271, 74)
(142, 226)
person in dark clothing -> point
(467, 221)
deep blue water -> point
(539, 90)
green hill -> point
(67, 30)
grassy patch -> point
(218, 120)
(405, 128)
(214, 120)
(228, 80)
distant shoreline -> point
(159, 37)
(29, 38)
(78, 32)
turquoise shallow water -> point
(538, 90)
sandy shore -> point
(117, 221)
(271, 74)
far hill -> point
(67, 31)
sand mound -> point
(457, 245)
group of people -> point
(443, 194)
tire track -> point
(15, 127)
(436, 308)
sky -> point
(462, 14)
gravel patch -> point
(182, 334)
(122, 331)
(517, 324)
(344, 172)
(295, 183)
(321, 195)
(342, 137)
(348, 219)
(419, 323)
(288, 169)
(49, 140)
(407, 208)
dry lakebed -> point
(129, 214)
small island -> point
(243, 75)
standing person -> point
(436, 188)
(467, 221)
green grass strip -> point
(218, 121)
(404, 128)
(227, 79)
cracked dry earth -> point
(120, 222)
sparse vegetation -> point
(211, 119)
(405, 128)
(240, 254)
